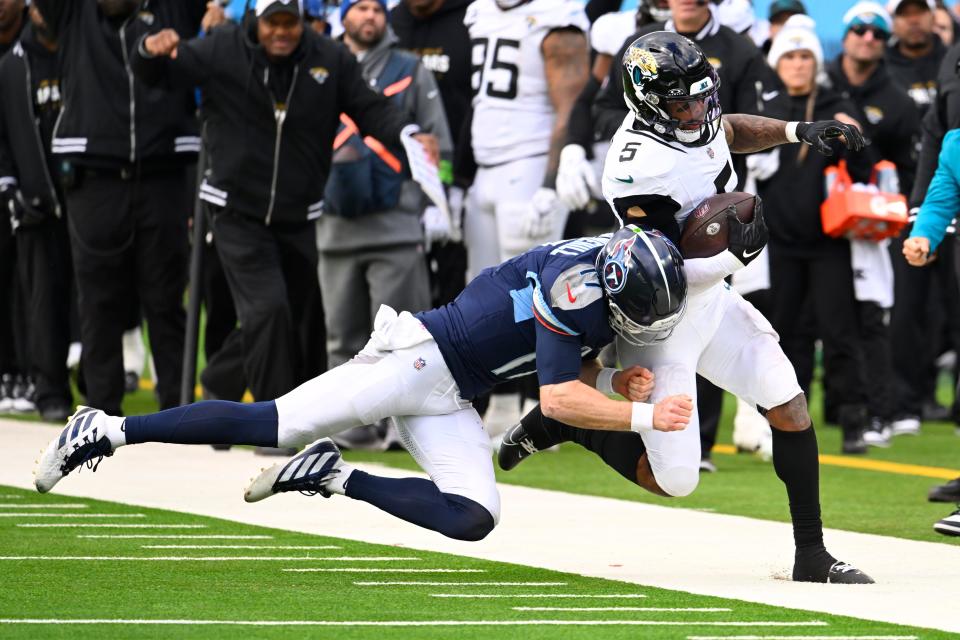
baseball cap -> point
(894, 5)
(269, 7)
(782, 6)
(868, 13)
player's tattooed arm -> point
(566, 59)
(748, 134)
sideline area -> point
(694, 551)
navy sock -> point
(208, 422)
(419, 501)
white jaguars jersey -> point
(640, 164)
(512, 114)
(611, 30)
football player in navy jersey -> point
(548, 311)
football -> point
(705, 232)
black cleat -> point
(949, 492)
(843, 573)
(520, 443)
(820, 566)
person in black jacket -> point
(31, 200)
(273, 93)
(890, 121)
(130, 148)
(808, 267)
(434, 30)
(918, 338)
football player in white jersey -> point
(530, 60)
(666, 158)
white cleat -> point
(83, 440)
(307, 472)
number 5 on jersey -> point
(494, 68)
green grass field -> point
(65, 573)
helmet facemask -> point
(642, 335)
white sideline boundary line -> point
(44, 505)
(10, 496)
(379, 570)
(421, 623)
(537, 595)
(209, 558)
(118, 526)
(801, 637)
(132, 536)
(399, 583)
(288, 547)
(670, 609)
(72, 515)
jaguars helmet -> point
(672, 88)
(645, 286)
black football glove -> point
(817, 134)
(747, 240)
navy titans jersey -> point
(542, 312)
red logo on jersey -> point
(570, 296)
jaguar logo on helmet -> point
(644, 65)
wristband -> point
(792, 132)
(605, 380)
(641, 417)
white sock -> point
(116, 432)
(338, 483)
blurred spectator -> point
(808, 267)
(370, 237)
(891, 122)
(913, 59)
(434, 30)
(944, 25)
(778, 13)
(129, 147)
(32, 202)
(272, 95)
(12, 385)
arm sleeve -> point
(703, 273)
(943, 197)
(192, 66)
(428, 110)
(371, 111)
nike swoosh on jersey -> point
(769, 95)
(750, 254)
(627, 180)
(570, 296)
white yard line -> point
(419, 623)
(747, 559)
(379, 570)
(10, 496)
(210, 558)
(51, 505)
(623, 596)
(401, 583)
(119, 526)
(150, 536)
(801, 637)
(665, 609)
(72, 515)
(288, 547)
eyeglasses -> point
(878, 33)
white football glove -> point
(542, 214)
(575, 177)
(436, 226)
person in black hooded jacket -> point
(807, 267)
(274, 94)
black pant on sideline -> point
(823, 279)
(272, 272)
(878, 366)
(128, 233)
(46, 274)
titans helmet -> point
(672, 88)
(645, 286)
